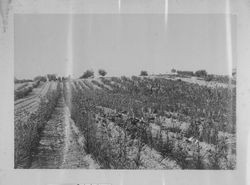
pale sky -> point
(122, 44)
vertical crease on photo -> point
(166, 14)
(70, 50)
(119, 6)
(229, 37)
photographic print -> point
(125, 91)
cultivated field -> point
(153, 122)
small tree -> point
(51, 77)
(173, 71)
(40, 78)
(201, 73)
(144, 73)
(59, 79)
(102, 72)
(88, 74)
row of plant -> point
(25, 90)
(201, 129)
(216, 106)
(29, 125)
(205, 76)
(176, 148)
(189, 154)
(221, 79)
(111, 145)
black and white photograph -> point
(125, 91)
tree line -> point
(101, 72)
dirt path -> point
(61, 144)
(74, 154)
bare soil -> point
(61, 144)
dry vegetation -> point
(29, 121)
(141, 123)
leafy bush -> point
(102, 72)
(87, 74)
(201, 73)
(23, 92)
(144, 73)
(185, 73)
(209, 78)
(52, 77)
(40, 78)
(173, 70)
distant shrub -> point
(201, 73)
(36, 84)
(23, 92)
(102, 72)
(221, 79)
(116, 79)
(185, 73)
(144, 73)
(51, 77)
(135, 78)
(65, 78)
(209, 78)
(22, 80)
(40, 78)
(59, 79)
(125, 79)
(87, 74)
(173, 70)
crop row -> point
(29, 124)
(175, 147)
(111, 145)
(216, 107)
(25, 90)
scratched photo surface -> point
(124, 91)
